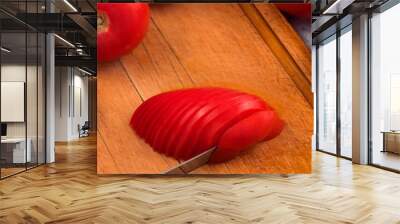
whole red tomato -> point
(300, 11)
(120, 28)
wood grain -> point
(70, 191)
(118, 145)
(289, 38)
(211, 45)
(270, 27)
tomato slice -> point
(277, 126)
(245, 133)
(203, 113)
(213, 112)
(191, 116)
(162, 108)
(224, 117)
(180, 119)
(136, 117)
(148, 114)
(164, 117)
(185, 123)
(168, 119)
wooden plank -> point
(104, 158)
(265, 26)
(224, 56)
(154, 68)
(289, 38)
(122, 150)
(206, 49)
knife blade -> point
(192, 164)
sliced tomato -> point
(244, 134)
(223, 118)
(185, 123)
(137, 118)
(182, 148)
(174, 130)
(139, 111)
(212, 109)
(162, 108)
(148, 114)
(165, 117)
(277, 126)
(170, 117)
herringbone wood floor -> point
(69, 191)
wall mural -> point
(202, 89)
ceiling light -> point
(337, 7)
(5, 50)
(80, 51)
(84, 71)
(70, 5)
(65, 41)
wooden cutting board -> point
(195, 45)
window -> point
(327, 96)
(346, 75)
(22, 88)
(334, 94)
(385, 89)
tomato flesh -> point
(185, 123)
(242, 135)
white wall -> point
(12, 73)
(61, 103)
(80, 103)
(33, 127)
(71, 103)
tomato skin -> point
(300, 11)
(259, 126)
(184, 123)
(125, 25)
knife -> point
(192, 164)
